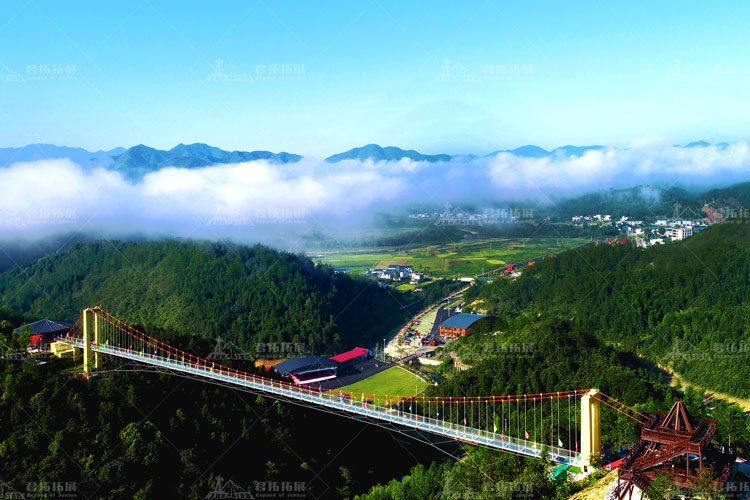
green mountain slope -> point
(683, 304)
(246, 294)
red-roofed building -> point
(350, 357)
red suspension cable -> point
(623, 404)
(163, 346)
(617, 409)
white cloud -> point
(43, 196)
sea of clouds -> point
(42, 197)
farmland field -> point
(455, 259)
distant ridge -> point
(36, 152)
(378, 153)
(140, 160)
(532, 151)
(702, 144)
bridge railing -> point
(345, 404)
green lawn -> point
(408, 287)
(459, 259)
(393, 381)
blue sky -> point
(319, 78)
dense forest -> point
(682, 304)
(244, 294)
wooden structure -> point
(674, 443)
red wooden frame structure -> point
(674, 443)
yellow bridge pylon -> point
(591, 436)
(91, 331)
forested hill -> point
(683, 304)
(244, 294)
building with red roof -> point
(351, 357)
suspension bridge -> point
(520, 424)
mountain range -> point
(36, 152)
(140, 160)
(390, 153)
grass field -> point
(394, 380)
(459, 259)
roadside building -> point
(459, 325)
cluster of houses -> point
(591, 218)
(649, 233)
(415, 339)
(662, 230)
(397, 272)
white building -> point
(680, 233)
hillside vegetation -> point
(681, 304)
(246, 294)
